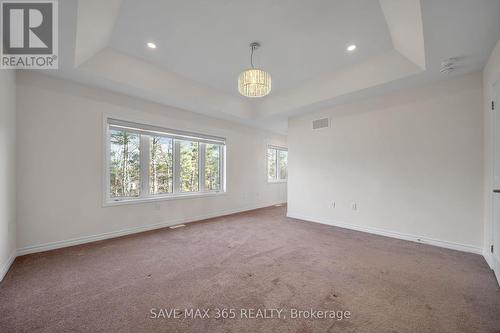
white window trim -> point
(159, 197)
(277, 180)
(144, 196)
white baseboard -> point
(133, 230)
(496, 269)
(5, 267)
(393, 234)
(494, 264)
(488, 257)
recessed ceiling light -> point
(151, 45)
(351, 47)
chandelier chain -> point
(251, 55)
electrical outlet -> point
(333, 204)
(354, 206)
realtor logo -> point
(29, 34)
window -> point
(189, 166)
(125, 164)
(161, 166)
(147, 162)
(213, 155)
(282, 164)
(277, 164)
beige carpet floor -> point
(254, 260)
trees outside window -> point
(144, 163)
(277, 164)
(161, 172)
(283, 164)
(188, 151)
(124, 166)
(271, 164)
(212, 167)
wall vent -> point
(321, 123)
(177, 226)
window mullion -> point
(177, 167)
(221, 169)
(223, 162)
(144, 164)
(201, 166)
(277, 165)
(107, 160)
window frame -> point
(145, 139)
(277, 180)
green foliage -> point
(212, 167)
(277, 164)
(125, 164)
(283, 163)
(189, 166)
(161, 165)
(271, 164)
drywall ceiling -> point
(203, 45)
(208, 41)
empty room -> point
(250, 166)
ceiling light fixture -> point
(151, 45)
(254, 82)
(351, 47)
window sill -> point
(277, 181)
(135, 201)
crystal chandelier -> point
(254, 82)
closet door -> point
(496, 181)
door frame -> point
(495, 263)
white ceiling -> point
(208, 41)
(203, 45)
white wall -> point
(491, 73)
(412, 161)
(7, 169)
(60, 141)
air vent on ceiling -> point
(320, 123)
(450, 65)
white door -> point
(496, 180)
